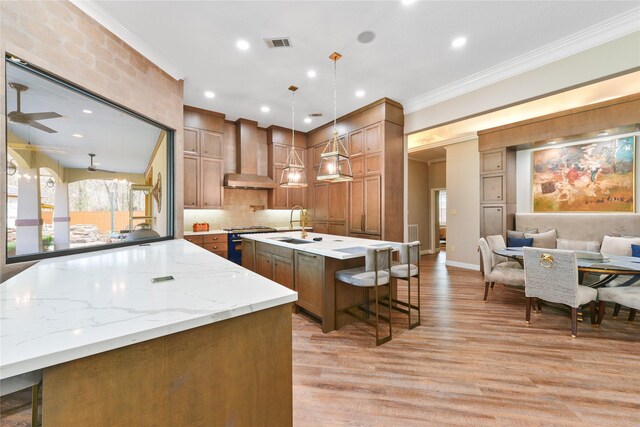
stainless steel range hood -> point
(247, 160)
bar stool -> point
(20, 382)
(408, 267)
(375, 273)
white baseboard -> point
(427, 252)
(462, 265)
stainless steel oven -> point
(235, 239)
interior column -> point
(61, 219)
(29, 219)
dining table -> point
(608, 267)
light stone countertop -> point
(339, 247)
(71, 307)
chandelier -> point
(293, 174)
(335, 165)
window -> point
(442, 205)
(83, 174)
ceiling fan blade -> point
(42, 127)
(41, 116)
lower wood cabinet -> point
(365, 205)
(309, 281)
(274, 263)
(249, 254)
(216, 243)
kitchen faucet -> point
(301, 220)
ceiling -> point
(410, 56)
(122, 143)
(426, 156)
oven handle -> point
(236, 241)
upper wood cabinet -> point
(191, 181)
(212, 174)
(283, 197)
(191, 141)
(321, 207)
(280, 154)
(365, 205)
(373, 139)
(356, 142)
(211, 144)
(338, 196)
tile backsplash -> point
(237, 211)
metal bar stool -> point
(407, 267)
(375, 273)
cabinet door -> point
(321, 227)
(211, 144)
(282, 271)
(372, 205)
(338, 228)
(211, 184)
(317, 151)
(357, 166)
(280, 194)
(263, 265)
(297, 196)
(309, 281)
(280, 154)
(491, 188)
(493, 220)
(355, 142)
(191, 141)
(492, 161)
(373, 164)
(248, 254)
(356, 206)
(373, 139)
(321, 209)
(338, 201)
(191, 181)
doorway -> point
(438, 219)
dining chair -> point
(495, 243)
(498, 273)
(374, 274)
(552, 275)
(405, 268)
(21, 382)
(628, 296)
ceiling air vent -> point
(315, 114)
(278, 42)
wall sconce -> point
(12, 168)
(50, 182)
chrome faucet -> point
(302, 220)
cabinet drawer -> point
(492, 188)
(492, 161)
(222, 254)
(213, 247)
(215, 238)
(373, 164)
(194, 239)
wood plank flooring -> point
(470, 363)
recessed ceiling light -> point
(87, 111)
(242, 44)
(209, 94)
(603, 133)
(77, 135)
(552, 142)
(265, 109)
(408, 2)
(360, 93)
(458, 42)
(311, 74)
(307, 119)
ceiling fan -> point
(30, 119)
(92, 168)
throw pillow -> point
(520, 234)
(545, 240)
(514, 242)
(618, 245)
(578, 245)
(635, 251)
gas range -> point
(249, 229)
(235, 241)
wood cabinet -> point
(191, 141)
(309, 281)
(492, 188)
(283, 197)
(338, 196)
(216, 243)
(492, 161)
(248, 254)
(321, 227)
(212, 174)
(365, 205)
(211, 144)
(274, 263)
(191, 181)
(493, 220)
(497, 191)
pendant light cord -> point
(293, 119)
(335, 94)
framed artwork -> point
(590, 177)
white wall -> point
(524, 197)
(463, 201)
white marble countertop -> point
(70, 307)
(339, 247)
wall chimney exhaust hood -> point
(247, 160)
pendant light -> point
(335, 165)
(293, 174)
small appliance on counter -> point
(201, 226)
(235, 239)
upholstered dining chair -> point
(628, 296)
(496, 242)
(498, 273)
(20, 382)
(552, 275)
(375, 274)
(405, 268)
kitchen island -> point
(210, 347)
(309, 267)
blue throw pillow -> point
(514, 242)
(635, 251)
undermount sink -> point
(290, 240)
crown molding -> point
(603, 32)
(464, 137)
(103, 18)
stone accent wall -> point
(62, 40)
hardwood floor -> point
(469, 363)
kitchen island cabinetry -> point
(309, 277)
(274, 263)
